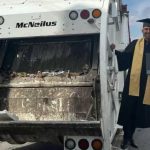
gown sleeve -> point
(125, 58)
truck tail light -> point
(1, 20)
(70, 144)
(83, 144)
(85, 14)
(96, 13)
(97, 144)
(73, 15)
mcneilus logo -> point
(35, 24)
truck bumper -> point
(46, 131)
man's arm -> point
(125, 58)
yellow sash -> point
(134, 85)
(147, 92)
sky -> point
(138, 9)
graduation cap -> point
(146, 22)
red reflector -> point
(84, 14)
(83, 144)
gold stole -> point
(134, 85)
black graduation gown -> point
(132, 109)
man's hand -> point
(112, 46)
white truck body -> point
(19, 14)
(25, 25)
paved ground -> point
(142, 139)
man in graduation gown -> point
(135, 105)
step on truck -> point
(59, 80)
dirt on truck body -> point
(50, 79)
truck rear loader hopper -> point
(58, 102)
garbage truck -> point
(59, 81)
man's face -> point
(146, 33)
